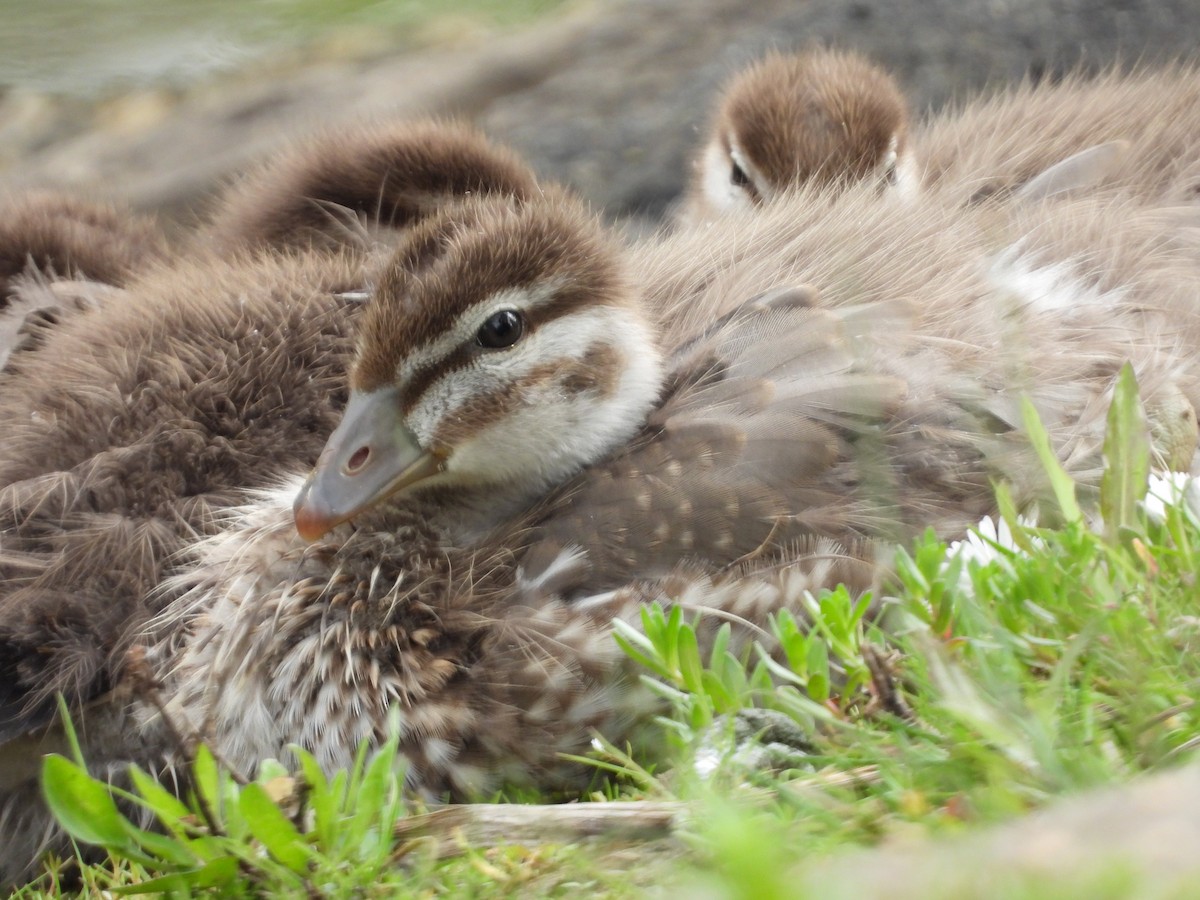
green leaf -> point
(720, 644)
(791, 639)
(373, 794)
(273, 829)
(271, 769)
(715, 689)
(818, 669)
(321, 797)
(1008, 512)
(671, 638)
(169, 809)
(233, 823)
(1126, 456)
(339, 790)
(207, 780)
(83, 805)
(639, 647)
(166, 848)
(1060, 481)
(802, 708)
(690, 666)
(860, 608)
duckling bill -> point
(371, 455)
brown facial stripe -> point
(386, 320)
(598, 369)
(564, 303)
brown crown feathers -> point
(822, 117)
(341, 187)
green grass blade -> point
(1126, 455)
(322, 798)
(273, 829)
(1060, 482)
(68, 726)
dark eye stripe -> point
(566, 302)
(458, 358)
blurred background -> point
(158, 102)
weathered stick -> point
(458, 827)
(479, 825)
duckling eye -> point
(502, 329)
(738, 176)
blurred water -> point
(87, 47)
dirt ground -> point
(608, 96)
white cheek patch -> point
(905, 177)
(721, 193)
(553, 432)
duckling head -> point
(349, 186)
(823, 117)
(503, 350)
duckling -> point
(130, 430)
(820, 117)
(515, 468)
(833, 116)
(230, 356)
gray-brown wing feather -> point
(781, 425)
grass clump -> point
(998, 673)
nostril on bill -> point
(358, 459)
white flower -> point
(986, 541)
(1172, 489)
(990, 540)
